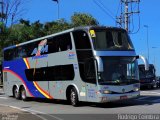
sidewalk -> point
(8, 113)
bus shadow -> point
(143, 100)
(52, 101)
(149, 89)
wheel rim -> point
(23, 94)
(73, 97)
(16, 92)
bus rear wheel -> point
(16, 93)
(23, 94)
(74, 97)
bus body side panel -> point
(9, 81)
(16, 76)
(58, 88)
(41, 85)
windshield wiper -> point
(119, 82)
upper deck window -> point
(81, 39)
(49, 45)
(111, 39)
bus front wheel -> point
(74, 97)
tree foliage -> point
(25, 30)
(11, 10)
(79, 19)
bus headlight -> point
(106, 92)
(136, 89)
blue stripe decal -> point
(12, 65)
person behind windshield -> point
(117, 75)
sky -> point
(46, 10)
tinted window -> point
(81, 40)
(52, 45)
(10, 54)
(84, 55)
(54, 73)
(112, 39)
(30, 47)
(21, 52)
(59, 43)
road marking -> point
(1, 97)
(150, 93)
(34, 112)
(44, 114)
(24, 110)
(142, 98)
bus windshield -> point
(119, 70)
(111, 39)
(146, 74)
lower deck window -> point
(54, 73)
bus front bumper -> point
(117, 97)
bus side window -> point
(30, 47)
(59, 73)
(53, 73)
(65, 42)
(10, 54)
(21, 52)
(59, 43)
(7, 55)
(37, 74)
(52, 45)
(81, 40)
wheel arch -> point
(14, 86)
(69, 88)
(22, 86)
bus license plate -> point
(123, 97)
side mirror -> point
(145, 61)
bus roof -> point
(65, 31)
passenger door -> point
(90, 79)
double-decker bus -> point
(147, 78)
(92, 63)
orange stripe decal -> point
(43, 92)
(15, 74)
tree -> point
(25, 30)
(10, 11)
(37, 29)
(82, 19)
(56, 26)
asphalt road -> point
(43, 109)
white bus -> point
(92, 63)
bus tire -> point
(74, 97)
(16, 93)
(23, 94)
